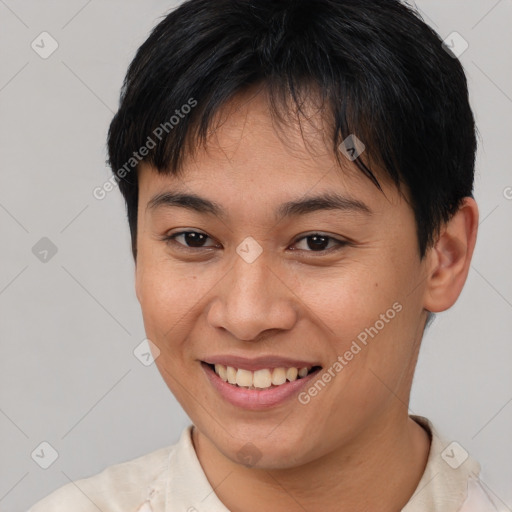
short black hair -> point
(384, 73)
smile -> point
(255, 389)
(260, 379)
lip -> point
(254, 399)
(259, 363)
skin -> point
(353, 446)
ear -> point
(136, 281)
(138, 277)
(449, 260)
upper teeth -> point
(260, 378)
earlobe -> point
(450, 258)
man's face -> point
(351, 302)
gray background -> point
(68, 326)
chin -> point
(264, 446)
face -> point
(261, 279)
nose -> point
(253, 300)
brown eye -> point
(317, 242)
(191, 239)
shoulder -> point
(117, 487)
(451, 480)
(170, 478)
(478, 500)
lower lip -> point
(254, 399)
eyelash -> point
(171, 239)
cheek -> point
(346, 300)
(172, 295)
(166, 298)
(163, 295)
(367, 315)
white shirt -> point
(171, 479)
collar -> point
(188, 489)
(444, 484)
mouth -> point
(262, 379)
(260, 389)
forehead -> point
(251, 155)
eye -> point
(196, 239)
(316, 242)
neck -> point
(380, 470)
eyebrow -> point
(326, 201)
